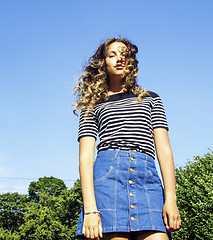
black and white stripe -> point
(123, 124)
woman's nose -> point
(120, 58)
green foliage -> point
(73, 206)
(12, 208)
(42, 221)
(46, 185)
(53, 217)
(50, 211)
(5, 234)
(194, 185)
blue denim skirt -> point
(128, 192)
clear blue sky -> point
(43, 46)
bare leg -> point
(117, 236)
(152, 235)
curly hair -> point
(93, 84)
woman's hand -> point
(92, 227)
(171, 216)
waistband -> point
(125, 153)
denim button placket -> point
(131, 187)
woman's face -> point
(116, 59)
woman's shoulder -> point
(152, 94)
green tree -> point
(42, 220)
(12, 208)
(50, 211)
(46, 185)
(53, 216)
(194, 184)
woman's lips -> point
(119, 67)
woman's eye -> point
(110, 56)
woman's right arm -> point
(92, 227)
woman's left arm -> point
(171, 214)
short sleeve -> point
(158, 114)
(87, 125)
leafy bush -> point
(194, 183)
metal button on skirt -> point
(128, 192)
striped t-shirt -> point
(123, 124)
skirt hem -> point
(79, 235)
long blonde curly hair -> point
(93, 84)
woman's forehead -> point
(117, 46)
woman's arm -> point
(92, 227)
(165, 158)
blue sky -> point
(43, 47)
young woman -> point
(122, 193)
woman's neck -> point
(115, 86)
(116, 90)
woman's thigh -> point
(117, 236)
(152, 235)
(144, 235)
